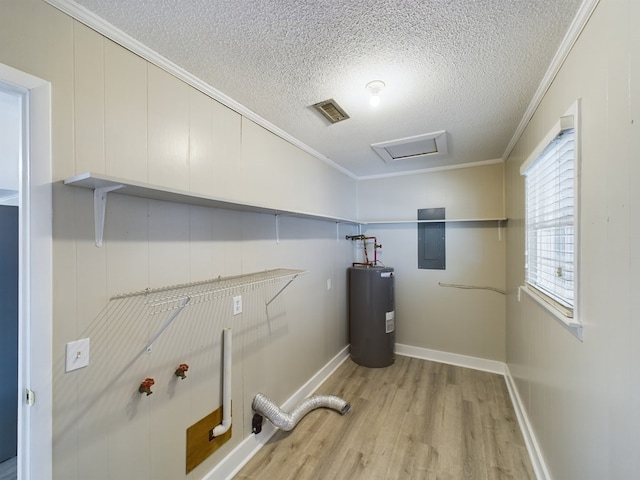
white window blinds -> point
(550, 207)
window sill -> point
(575, 328)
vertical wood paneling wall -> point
(116, 114)
(582, 397)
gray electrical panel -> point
(431, 239)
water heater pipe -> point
(285, 421)
(226, 386)
(376, 246)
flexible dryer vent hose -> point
(287, 421)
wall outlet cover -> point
(237, 305)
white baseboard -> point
(475, 363)
(239, 456)
(535, 454)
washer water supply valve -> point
(180, 371)
(145, 386)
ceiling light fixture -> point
(375, 87)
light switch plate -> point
(77, 354)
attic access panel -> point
(410, 148)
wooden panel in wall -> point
(174, 396)
(226, 134)
(90, 300)
(168, 227)
(262, 157)
(66, 429)
(331, 192)
(126, 244)
(201, 228)
(200, 143)
(125, 113)
(88, 101)
(129, 412)
(168, 140)
(200, 445)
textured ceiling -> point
(470, 67)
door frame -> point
(35, 298)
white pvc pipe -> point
(226, 385)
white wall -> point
(465, 322)
(582, 397)
(116, 114)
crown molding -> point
(433, 169)
(579, 22)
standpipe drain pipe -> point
(287, 421)
(226, 386)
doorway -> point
(11, 101)
(29, 237)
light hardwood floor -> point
(414, 420)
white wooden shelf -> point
(445, 220)
(103, 184)
(499, 222)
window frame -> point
(567, 317)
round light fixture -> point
(375, 87)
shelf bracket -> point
(164, 326)
(281, 290)
(99, 209)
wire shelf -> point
(177, 297)
(165, 299)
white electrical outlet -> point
(328, 284)
(237, 305)
(77, 355)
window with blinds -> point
(550, 186)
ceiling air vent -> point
(411, 148)
(331, 110)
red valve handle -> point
(145, 386)
(183, 367)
